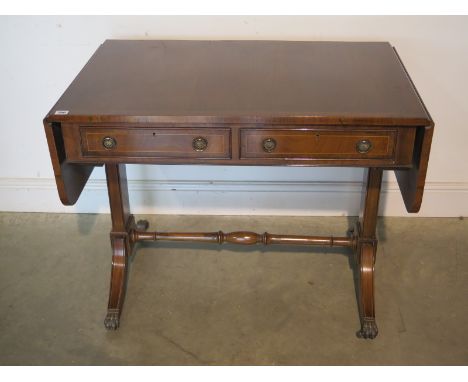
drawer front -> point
(318, 143)
(156, 142)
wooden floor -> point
(230, 305)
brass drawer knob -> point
(199, 144)
(363, 146)
(269, 144)
(109, 142)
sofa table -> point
(243, 103)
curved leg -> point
(118, 285)
(122, 224)
(366, 290)
(366, 248)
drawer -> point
(155, 142)
(318, 143)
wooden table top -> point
(243, 81)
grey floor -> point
(229, 305)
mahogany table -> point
(251, 103)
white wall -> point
(40, 56)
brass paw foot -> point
(368, 330)
(142, 225)
(111, 322)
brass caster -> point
(111, 322)
(368, 330)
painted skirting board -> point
(315, 198)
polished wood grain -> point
(310, 143)
(242, 81)
(122, 224)
(366, 249)
(156, 142)
(412, 181)
(265, 83)
(242, 237)
(308, 146)
(70, 178)
(252, 103)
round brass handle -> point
(109, 142)
(363, 146)
(269, 144)
(200, 144)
